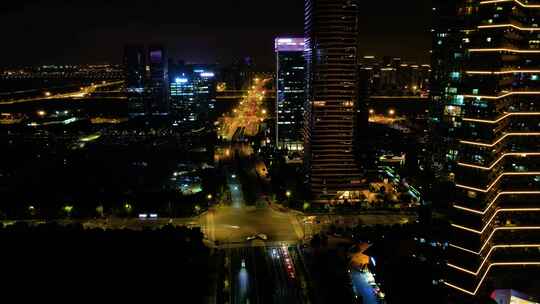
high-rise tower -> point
(158, 82)
(146, 79)
(291, 95)
(331, 32)
(496, 226)
(135, 77)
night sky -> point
(62, 31)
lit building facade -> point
(146, 76)
(291, 95)
(182, 96)
(495, 232)
(192, 91)
(204, 84)
(156, 89)
(448, 55)
(330, 130)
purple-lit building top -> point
(289, 44)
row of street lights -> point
(391, 112)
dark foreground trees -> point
(51, 262)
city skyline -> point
(290, 151)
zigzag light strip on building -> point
(475, 291)
(505, 94)
(493, 217)
(517, 51)
(504, 25)
(503, 117)
(515, 1)
(500, 139)
(502, 126)
(493, 233)
(525, 154)
(496, 180)
(475, 273)
(503, 72)
(494, 200)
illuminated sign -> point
(181, 80)
(289, 44)
(207, 74)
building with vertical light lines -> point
(495, 232)
(332, 37)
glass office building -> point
(331, 36)
(290, 97)
(192, 92)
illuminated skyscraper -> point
(135, 76)
(448, 55)
(291, 95)
(157, 85)
(331, 31)
(495, 237)
(146, 76)
(192, 91)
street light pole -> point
(288, 194)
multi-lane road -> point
(271, 274)
(267, 269)
(245, 119)
(84, 91)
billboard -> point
(289, 44)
